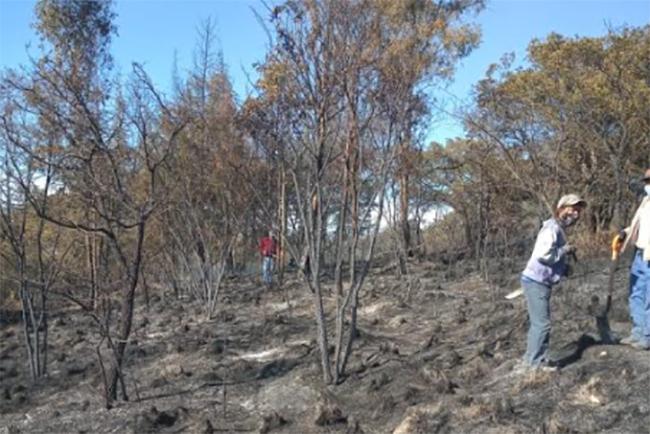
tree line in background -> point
(575, 119)
(110, 186)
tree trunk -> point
(404, 195)
(321, 324)
(29, 345)
(404, 214)
(282, 214)
(126, 320)
(91, 263)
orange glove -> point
(617, 244)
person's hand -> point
(569, 249)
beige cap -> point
(571, 200)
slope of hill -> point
(434, 354)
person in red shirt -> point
(268, 251)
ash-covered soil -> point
(435, 354)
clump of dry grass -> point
(497, 410)
(474, 411)
(474, 370)
(531, 379)
(423, 419)
(437, 380)
(591, 393)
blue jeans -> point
(538, 298)
(640, 298)
(267, 270)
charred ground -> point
(435, 353)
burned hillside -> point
(436, 357)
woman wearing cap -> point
(638, 234)
(546, 266)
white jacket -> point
(638, 233)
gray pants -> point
(538, 298)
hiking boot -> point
(630, 340)
(643, 346)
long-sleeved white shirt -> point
(639, 231)
(548, 248)
(547, 263)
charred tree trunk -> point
(404, 213)
(349, 192)
(282, 215)
(91, 263)
(315, 264)
(126, 321)
(405, 196)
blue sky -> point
(151, 31)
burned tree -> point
(104, 157)
(333, 84)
